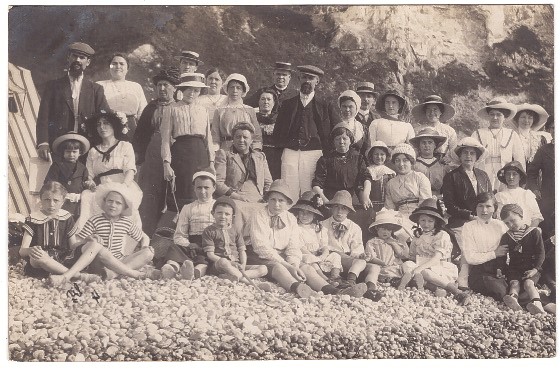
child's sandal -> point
(511, 302)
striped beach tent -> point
(23, 106)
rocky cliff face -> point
(467, 54)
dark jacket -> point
(543, 162)
(459, 195)
(325, 116)
(56, 111)
(144, 131)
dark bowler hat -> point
(172, 75)
(366, 88)
(191, 55)
(283, 66)
(514, 165)
(81, 48)
(310, 69)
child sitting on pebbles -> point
(51, 246)
(526, 256)
(112, 227)
(314, 236)
(384, 252)
(345, 238)
(431, 251)
(225, 248)
(186, 256)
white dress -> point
(313, 242)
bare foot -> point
(187, 270)
(404, 281)
(88, 278)
(57, 280)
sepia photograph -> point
(280, 182)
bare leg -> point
(282, 276)
(511, 299)
(314, 280)
(116, 266)
(535, 306)
(372, 271)
(89, 252)
(140, 258)
(407, 268)
(49, 264)
(319, 271)
(358, 266)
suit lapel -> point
(86, 95)
(67, 91)
(237, 160)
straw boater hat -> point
(72, 136)
(537, 109)
(192, 80)
(225, 200)
(428, 207)
(280, 186)
(380, 103)
(310, 201)
(190, 55)
(428, 132)
(131, 193)
(204, 173)
(379, 145)
(366, 88)
(497, 103)
(447, 111)
(236, 77)
(354, 96)
(342, 198)
(386, 218)
(285, 66)
(472, 143)
(514, 165)
(172, 75)
(404, 148)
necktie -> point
(339, 229)
(276, 222)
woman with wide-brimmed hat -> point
(503, 144)
(189, 128)
(514, 177)
(233, 111)
(426, 143)
(123, 95)
(460, 188)
(528, 121)
(433, 113)
(390, 128)
(147, 148)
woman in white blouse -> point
(185, 140)
(528, 121)
(390, 128)
(124, 96)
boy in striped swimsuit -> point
(111, 227)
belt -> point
(97, 178)
(408, 201)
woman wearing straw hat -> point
(189, 127)
(503, 144)
(460, 188)
(426, 143)
(147, 148)
(349, 102)
(233, 111)
(390, 128)
(528, 121)
(433, 113)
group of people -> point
(282, 184)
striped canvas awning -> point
(22, 97)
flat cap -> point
(81, 48)
(311, 69)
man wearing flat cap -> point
(189, 61)
(282, 73)
(302, 129)
(67, 102)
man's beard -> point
(306, 88)
(75, 69)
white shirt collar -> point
(363, 112)
(305, 99)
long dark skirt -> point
(189, 154)
(152, 184)
(274, 159)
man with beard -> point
(282, 75)
(302, 129)
(68, 101)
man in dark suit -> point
(302, 129)
(67, 102)
(282, 76)
(366, 91)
